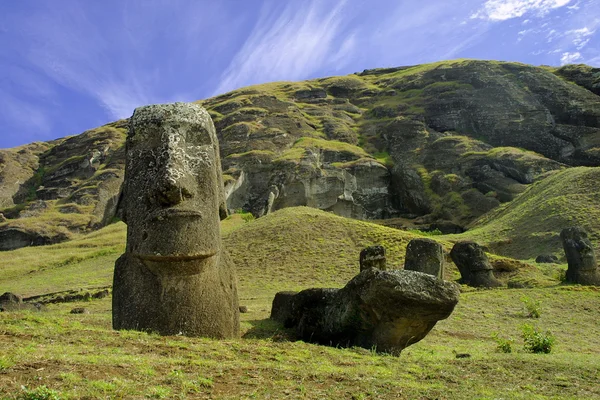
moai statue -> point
(175, 277)
(425, 255)
(583, 268)
(474, 266)
(373, 257)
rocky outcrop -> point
(382, 310)
(15, 238)
(583, 75)
(77, 180)
(443, 142)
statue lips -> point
(174, 213)
(167, 213)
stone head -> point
(173, 195)
(578, 248)
(373, 257)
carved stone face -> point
(173, 184)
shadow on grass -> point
(269, 329)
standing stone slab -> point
(425, 255)
(373, 257)
(583, 267)
(175, 277)
(474, 266)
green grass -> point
(530, 225)
(80, 356)
(298, 150)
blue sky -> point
(71, 65)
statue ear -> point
(121, 211)
(221, 189)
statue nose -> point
(172, 184)
(170, 192)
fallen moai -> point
(13, 302)
(473, 265)
(382, 310)
(174, 277)
(583, 267)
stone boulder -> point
(14, 302)
(425, 255)
(474, 266)
(373, 257)
(382, 310)
(583, 267)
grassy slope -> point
(531, 224)
(80, 356)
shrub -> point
(535, 341)
(503, 345)
(39, 393)
(532, 306)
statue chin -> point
(178, 265)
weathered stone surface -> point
(175, 277)
(14, 302)
(425, 255)
(9, 297)
(448, 141)
(15, 238)
(373, 257)
(281, 308)
(382, 310)
(583, 267)
(474, 266)
(546, 259)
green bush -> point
(532, 306)
(503, 345)
(39, 393)
(535, 341)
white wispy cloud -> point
(501, 10)
(288, 44)
(569, 58)
(580, 37)
(141, 57)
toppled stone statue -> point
(373, 257)
(474, 266)
(583, 267)
(382, 310)
(174, 277)
(13, 302)
(425, 255)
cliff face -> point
(438, 143)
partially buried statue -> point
(175, 277)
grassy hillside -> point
(79, 356)
(289, 249)
(440, 142)
(531, 224)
